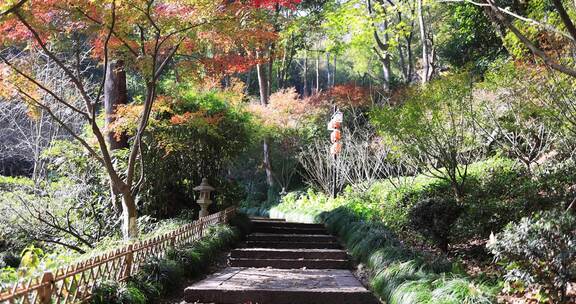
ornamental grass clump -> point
(400, 275)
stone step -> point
(264, 223)
(280, 286)
(290, 263)
(272, 253)
(289, 230)
(266, 219)
(292, 245)
(272, 237)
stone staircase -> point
(282, 263)
(289, 246)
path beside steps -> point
(284, 263)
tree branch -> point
(13, 8)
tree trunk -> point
(264, 98)
(248, 81)
(334, 73)
(328, 75)
(402, 62)
(305, 76)
(402, 59)
(381, 48)
(432, 56)
(317, 72)
(410, 57)
(280, 75)
(425, 57)
(386, 74)
(129, 215)
(262, 81)
(458, 189)
(267, 164)
(115, 94)
(270, 69)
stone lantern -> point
(204, 200)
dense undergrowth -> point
(160, 278)
(401, 275)
(387, 227)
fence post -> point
(129, 261)
(201, 227)
(45, 292)
(173, 239)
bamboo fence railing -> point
(74, 283)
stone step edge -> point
(279, 296)
(290, 260)
(267, 244)
(293, 253)
(279, 228)
(286, 224)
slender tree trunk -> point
(402, 62)
(115, 94)
(328, 71)
(264, 99)
(267, 163)
(432, 58)
(403, 66)
(386, 65)
(248, 81)
(271, 69)
(572, 206)
(262, 81)
(282, 69)
(334, 73)
(425, 57)
(317, 72)
(305, 75)
(410, 57)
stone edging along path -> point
(284, 263)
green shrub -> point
(152, 291)
(166, 274)
(131, 295)
(105, 293)
(191, 135)
(539, 250)
(434, 218)
(113, 293)
(9, 259)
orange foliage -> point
(271, 4)
(180, 119)
(127, 116)
(228, 64)
(285, 110)
(350, 95)
(216, 34)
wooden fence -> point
(74, 283)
